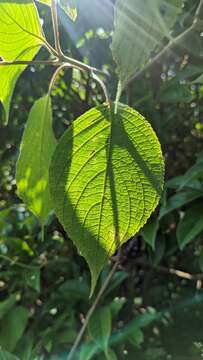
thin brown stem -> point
(56, 28)
(179, 273)
(92, 309)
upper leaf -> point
(69, 6)
(106, 177)
(21, 37)
(139, 29)
(37, 147)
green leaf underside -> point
(69, 6)
(20, 33)
(37, 147)
(190, 226)
(139, 28)
(106, 178)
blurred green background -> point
(150, 311)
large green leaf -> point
(37, 147)
(69, 6)
(190, 226)
(106, 178)
(139, 28)
(13, 327)
(21, 38)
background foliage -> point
(150, 310)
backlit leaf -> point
(139, 28)
(37, 146)
(21, 38)
(69, 6)
(106, 178)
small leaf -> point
(116, 305)
(75, 289)
(15, 29)
(190, 226)
(176, 94)
(88, 351)
(139, 28)
(199, 80)
(106, 178)
(136, 338)
(69, 6)
(99, 327)
(37, 147)
(111, 355)
(13, 327)
(5, 355)
(193, 173)
(178, 200)
(25, 346)
(6, 305)
(149, 232)
(32, 278)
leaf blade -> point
(27, 37)
(139, 28)
(98, 206)
(34, 159)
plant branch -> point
(92, 309)
(56, 28)
(103, 86)
(172, 271)
(17, 263)
(32, 62)
(177, 41)
(63, 61)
